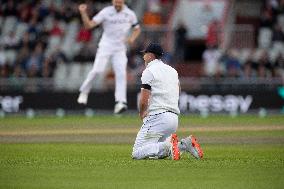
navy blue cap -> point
(154, 48)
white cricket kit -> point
(116, 26)
(162, 119)
(164, 83)
(112, 46)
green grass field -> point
(79, 152)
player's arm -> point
(135, 33)
(88, 23)
(146, 80)
(179, 88)
(144, 100)
(136, 30)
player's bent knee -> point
(135, 155)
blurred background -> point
(229, 55)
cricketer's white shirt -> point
(116, 26)
(164, 83)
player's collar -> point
(153, 62)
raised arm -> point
(88, 23)
(135, 33)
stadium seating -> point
(60, 75)
(71, 47)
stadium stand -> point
(43, 39)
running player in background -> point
(117, 21)
(158, 108)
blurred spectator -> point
(134, 56)
(266, 19)
(22, 58)
(152, 19)
(35, 12)
(232, 64)
(18, 72)
(53, 9)
(49, 65)
(50, 62)
(58, 57)
(273, 3)
(56, 34)
(5, 67)
(212, 38)
(26, 41)
(33, 29)
(211, 65)
(152, 16)
(69, 12)
(84, 35)
(277, 35)
(250, 66)
(10, 41)
(280, 9)
(154, 6)
(265, 68)
(43, 35)
(35, 61)
(86, 53)
(25, 11)
(135, 64)
(2, 56)
(180, 42)
(279, 66)
(10, 8)
(56, 30)
(4, 71)
(43, 11)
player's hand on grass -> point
(82, 8)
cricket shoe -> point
(174, 147)
(83, 98)
(192, 146)
(120, 107)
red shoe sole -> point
(197, 146)
(175, 150)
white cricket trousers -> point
(119, 63)
(151, 139)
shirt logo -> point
(125, 15)
(118, 21)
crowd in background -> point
(266, 60)
(32, 33)
(38, 40)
